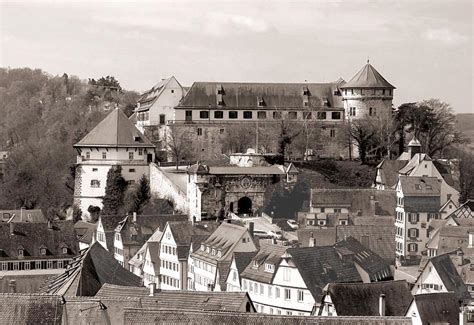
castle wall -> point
(163, 187)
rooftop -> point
(368, 77)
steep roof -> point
(115, 131)
(380, 239)
(362, 299)
(275, 95)
(178, 300)
(449, 275)
(414, 162)
(255, 270)
(31, 237)
(148, 98)
(465, 210)
(319, 266)
(375, 266)
(438, 308)
(141, 316)
(321, 236)
(88, 272)
(368, 77)
(389, 171)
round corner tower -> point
(367, 94)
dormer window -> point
(21, 253)
(64, 250)
(208, 249)
(260, 102)
(137, 138)
(213, 252)
(219, 253)
(255, 264)
(43, 251)
(203, 248)
(306, 91)
(220, 90)
(269, 267)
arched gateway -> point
(244, 205)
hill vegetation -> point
(42, 116)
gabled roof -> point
(85, 231)
(148, 98)
(465, 210)
(86, 274)
(362, 299)
(414, 162)
(115, 131)
(178, 300)
(319, 266)
(375, 266)
(381, 239)
(270, 254)
(32, 236)
(275, 95)
(437, 308)
(388, 170)
(183, 234)
(449, 276)
(368, 77)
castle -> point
(207, 110)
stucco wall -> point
(161, 186)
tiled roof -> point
(381, 239)
(177, 300)
(34, 215)
(319, 266)
(449, 276)
(414, 162)
(88, 272)
(16, 308)
(375, 266)
(364, 202)
(187, 317)
(369, 221)
(31, 236)
(149, 97)
(223, 238)
(420, 186)
(362, 299)
(242, 259)
(274, 95)
(438, 308)
(465, 210)
(267, 254)
(368, 77)
(322, 237)
(389, 171)
(139, 231)
(116, 131)
(85, 231)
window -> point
(300, 295)
(321, 115)
(336, 115)
(270, 292)
(292, 115)
(289, 313)
(286, 274)
(28, 265)
(88, 155)
(247, 114)
(20, 253)
(287, 294)
(261, 289)
(94, 169)
(277, 292)
(413, 232)
(64, 250)
(343, 222)
(337, 210)
(130, 155)
(162, 118)
(199, 131)
(261, 115)
(43, 251)
(372, 111)
(260, 102)
(221, 131)
(131, 170)
(412, 247)
(413, 217)
(104, 155)
(203, 114)
(95, 183)
(219, 253)
(332, 133)
(271, 310)
(269, 267)
(307, 115)
(233, 114)
(352, 111)
(277, 115)
(219, 114)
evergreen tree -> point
(138, 196)
(114, 191)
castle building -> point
(115, 141)
(209, 109)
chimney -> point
(382, 305)
(460, 254)
(134, 217)
(251, 229)
(12, 228)
(312, 241)
(12, 285)
(152, 287)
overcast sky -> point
(424, 48)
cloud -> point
(445, 35)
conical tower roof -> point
(116, 131)
(368, 77)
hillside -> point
(465, 124)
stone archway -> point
(244, 205)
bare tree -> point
(362, 132)
(178, 142)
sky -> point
(423, 47)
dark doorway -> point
(231, 207)
(244, 205)
(149, 158)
